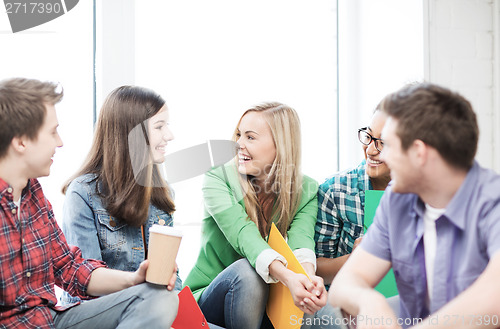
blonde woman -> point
(235, 265)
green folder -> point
(387, 286)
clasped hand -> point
(309, 295)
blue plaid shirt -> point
(341, 202)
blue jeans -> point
(142, 306)
(323, 319)
(236, 298)
(66, 298)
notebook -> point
(280, 308)
(189, 315)
(387, 286)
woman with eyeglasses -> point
(341, 201)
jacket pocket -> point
(111, 231)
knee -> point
(157, 294)
(160, 302)
(169, 297)
(247, 277)
(243, 271)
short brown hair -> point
(437, 116)
(22, 108)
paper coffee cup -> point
(163, 246)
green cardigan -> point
(227, 234)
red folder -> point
(189, 315)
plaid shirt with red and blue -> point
(34, 256)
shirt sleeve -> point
(222, 194)
(328, 225)
(78, 221)
(265, 259)
(305, 255)
(376, 239)
(301, 231)
(71, 271)
(490, 226)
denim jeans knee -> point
(155, 300)
(236, 298)
(123, 309)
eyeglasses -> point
(365, 138)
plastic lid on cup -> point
(167, 230)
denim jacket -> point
(87, 224)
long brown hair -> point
(110, 158)
(284, 178)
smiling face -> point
(257, 149)
(376, 169)
(159, 134)
(404, 172)
(39, 151)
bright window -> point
(213, 59)
(60, 51)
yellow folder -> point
(280, 307)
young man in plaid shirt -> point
(34, 254)
(341, 202)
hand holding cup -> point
(164, 242)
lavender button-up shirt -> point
(468, 234)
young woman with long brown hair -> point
(119, 192)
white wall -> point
(380, 49)
(211, 60)
(59, 51)
(461, 49)
(115, 60)
(382, 46)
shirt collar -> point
(454, 211)
(3, 187)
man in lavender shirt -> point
(437, 226)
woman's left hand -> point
(319, 293)
(173, 278)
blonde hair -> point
(284, 178)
